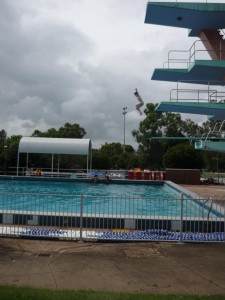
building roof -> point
(55, 145)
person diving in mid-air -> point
(141, 102)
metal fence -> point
(125, 217)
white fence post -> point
(81, 216)
(181, 217)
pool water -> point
(77, 188)
(101, 198)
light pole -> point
(124, 117)
(5, 154)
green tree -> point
(67, 131)
(111, 156)
(12, 150)
(149, 127)
(183, 156)
(158, 124)
(66, 162)
(100, 160)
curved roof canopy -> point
(55, 145)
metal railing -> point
(118, 217)
(185, 58)
(194, 1)
(65, 173)
(198, 95)
(217, 131)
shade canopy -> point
(55, 145)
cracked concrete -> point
(140, 267)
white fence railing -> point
(124, 217)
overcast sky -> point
(79, 61)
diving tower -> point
(206, 22)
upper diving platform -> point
(193, 16)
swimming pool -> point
(88, 188)
(98, 199)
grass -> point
(22, 293)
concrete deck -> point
(135, 267)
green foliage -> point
(66, 162)
(151, 154)
(67, 131)
(158, 124)
(183, 156)
(100, 160)
(111, 156)
(12, 151)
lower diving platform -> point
(210, 146)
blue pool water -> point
(87, 188)
(115, 199)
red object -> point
(146, 175)
(130, 174)
(163, 175)
(157, 175)
(138, 175)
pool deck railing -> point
(80, 218)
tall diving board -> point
(215, 111)
(193, 16)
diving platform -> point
(200, 72)
(193, 16)
(215, 111)
(210, 146)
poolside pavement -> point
(155, 267)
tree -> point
(3, 137)
(12, 150)
(67, 131)
(183, 156)
(111, 156)
(158, 124)
(149, 127)
(100, 160)
(71, 131)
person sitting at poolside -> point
(38, 172)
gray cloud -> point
(79, 62)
